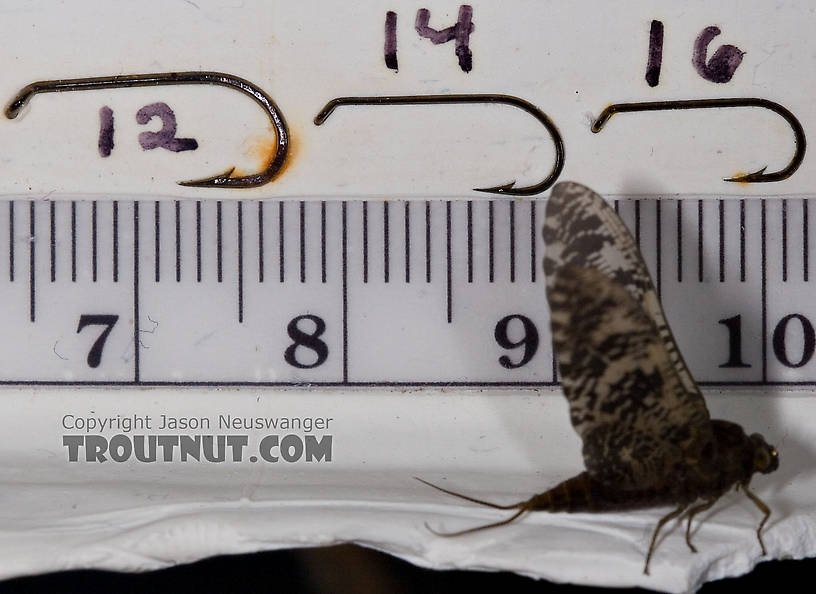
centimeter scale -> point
(377, 293)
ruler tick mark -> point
(512, 241)
(157, 240)
(659, 245)
(533, 235)
(407, 241)
(11, 241)
(260, 242)
(323, 241)
(281, 254)
(53, 233)
(219, 242)
(700, 241)
(198, 241)
(805, 239)
(763, 263)
(470, 241)
(427, 241)
(73, 243)
(136, 341)
(115, 223)
(386, 255)
(679, 241)
(449, 260)
(784, 240)
(94, 267)
(365, 241)
(178, 241)
(31, 260)
(490, 263)
(302, 241)
(240, 262)
(721, 205)
(344, 263)
(742, 241)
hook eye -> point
(222, 180)
(503, 189)
(759, 176)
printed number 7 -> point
(95, 354)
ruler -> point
(377, 293)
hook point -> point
(755, 177)
(209, 182)
(500, 189)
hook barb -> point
(509, 188)
(759, 176)
(223, 180)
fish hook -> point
(223, 180)
(757, 176)
(508, 188)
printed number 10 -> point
(778, 342)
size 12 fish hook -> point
(223, 180)
(755, 177)
(508, 188)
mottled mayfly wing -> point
(632, 399)
(647, 436)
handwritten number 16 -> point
(719, 68)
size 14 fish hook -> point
(508, 188)
(755, 177)
(223, 180)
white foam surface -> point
(494, 444)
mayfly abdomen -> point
(582, 493)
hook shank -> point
(756, 177)
(508, 188)
(177, 78)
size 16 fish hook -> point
(755, 177)
(508, 188)
(223, 180)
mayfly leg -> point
(668, 517)
(765, 510)
(693, 512)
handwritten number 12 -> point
(164, 138)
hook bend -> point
(759, 176)
(222, 180)
(504, 189)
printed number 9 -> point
(529, 340)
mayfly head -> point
(766, 458)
